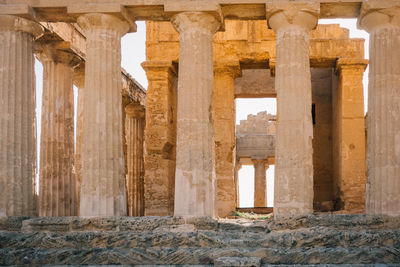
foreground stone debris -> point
(325, 239)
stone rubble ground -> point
(175, 241)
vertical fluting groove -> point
(103, 173)
(57, 181)
(17, 121)
(294, 169)
(383, 151)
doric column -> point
(238, 166)
(294, 166)
(79, 81)
(223, 108)
(17, 116)
(349, 135)
(103, 172)
(160, 138)
(57, 195)
(382, 20)
(260, 182)
(134, 129)
(195, 185)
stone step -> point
(201, 241)
(300, 238)
(184, 255)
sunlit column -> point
(382, 21)
(57, 182)
(195, 185)
(103, 173)
(294, 164)
(17, 116)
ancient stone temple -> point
(150, 177)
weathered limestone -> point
(134, 129)
(382, 20)
(294, 167)
(260, 182)
(350, 179)
(195, 185)
(223, 111)
(160, 138)
(17, 116)
(103, 172)
(57, 195)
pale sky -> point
(134, 53)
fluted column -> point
(57, 182)
(294, 166)
(79, 81)
(17, 116)
(260, 182)
(103, 174)
(382, 20)
(223, 108)
(134, 125)
(195, 185)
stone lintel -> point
(351, 64)
(114, 9)
(211, 7)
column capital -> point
(285, 14)
(229, 67)
(101, 21)
(14, 23)
(377, 13)
(159, 68)
(135, 110)
(195, 21)
(57, 51)
(260, 161)
(354, 64)
(115, 10)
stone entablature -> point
(69, 10)
(255, 137)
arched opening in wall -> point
(256, 110)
